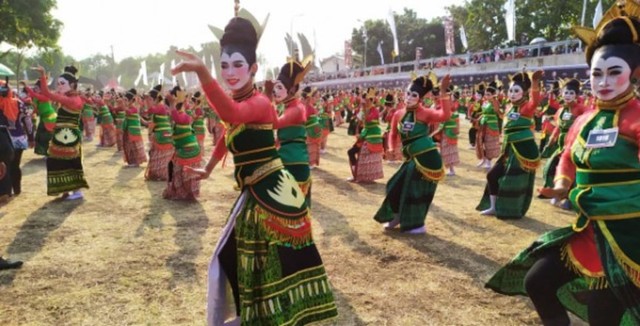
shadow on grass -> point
(345, 188)
(128, 173)
(34, 232)
(347, 314)
(453, 221)
(334, 220)
(34, 165)
(450, 254)
(191, 224)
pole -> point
(584, 12)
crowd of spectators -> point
(460, 60)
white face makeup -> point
(477, 96)
(279, 91)
(62, 87)
(515, 93)
(609, 77)
(411, 98)
(236, 71)
(569, 95)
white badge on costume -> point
(408, 126)
(513, 116)
(566, 116)
(602, 138)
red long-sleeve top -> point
(73, 102)
(577, 110)
(628, 126)
(294, 114)
(255, 110)
(442, 113)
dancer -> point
(292, 134)
(510, 182)
(162, 150)
(105, 120)
(88, 116)
(591, 268)
(314, 129)
(488, 134)
(132, 142)
(565, 117)
(47, 118)
(365, 156)
(182, 185)
(65, 175)
(266, 252)
(410, 190)
(449, 137)
(391, 143)
(198, 115)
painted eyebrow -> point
(614, 67)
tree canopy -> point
(484, 23)
(28, 23)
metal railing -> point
(453, 61)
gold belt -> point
(263, 171)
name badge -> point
(513, 116)
(566, 116)
(602, 138)
(408, 126)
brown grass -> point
(125, 256)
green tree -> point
(485, 26)
(28, 23)
(412, 32)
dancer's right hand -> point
(190, 63)
(200, 173)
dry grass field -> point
(125, 256)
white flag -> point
(161, 75)
(119, 79)
(463, 38)
(597, 16)
(137, 81)
(173, 77)
(184, 77)
(392, 24)
(380, 53)
(143, 68)
(510, 19)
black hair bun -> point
(71, 69)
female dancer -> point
(291, 124)
(65, 175)
(105, 120)
(592, 268)
(47, 121)
(565, 117)
(132, 142)
(266, 253)
(488, 135)
(365, 157)
(187, 155)
(411, 189)
(449, 139)
(162, 149)
(510, 181)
